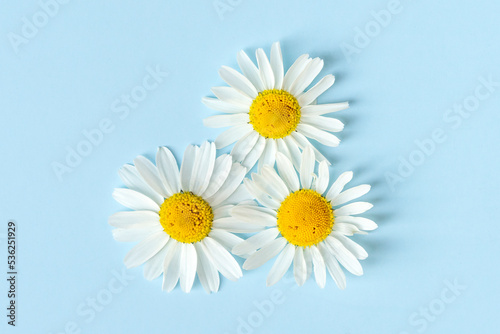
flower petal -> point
(319, 267)
(277, 65)
(146, 249)
(345, 257)
(168, 169)
(287, 173)
(222, 168)
(256, 215)
(134, 181)
(232, 97)
(265, 70)
(135, 200)
(338, 185)
(154, 266)
(172, 267)
(264, 254)
(243, 147)
(255, 242)
(281, 265)
(268, 157)
(299, 266)
(187, 166)
(333, 266)
(150, 174)
(307, 167)
(202, 170)
(356, 250)
(222, 260)
(134, 219)
(321, 109)
(233, 180)
(318, 89)
(255, 153)
(232, 135)
(307, 76)
(321, 136)
(222, 121)
(260, 195)
(188, 267)
(295, 70)
(250, 70)
(238, 81)
(353, 209)
(360, 222)
(323, 177)
(350, 194)
(323, 123)
(207, 273)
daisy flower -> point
(181, 217)
(269, 111)
(308, 225)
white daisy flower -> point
(182, 218)
(269, 111)
(307, 224)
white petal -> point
(240, 195)
(222, 260)
(207, 273)
(233, 180)
(295, 70)
(338, 185)
(299, 266)
(323, 123)
(133, 180)
(307, 76)
(234, 225)
(188, 267)
(281, 265)
(321, 136)
(345, 257)
(259, 195)
(238, 81)
(309, 262)
(268, 188)
(318, 89)
(225, 238)
(150, 174)
(265, 254)
(168, 170)
(244, 146)
(287, 173)
(353, 209)
(154, 266)
(303, 142)
(256, 215)
(222, 121)
(319, 267)
(135, 200)
(255, 153)
(256, 241)
(250, 70)
(323, 177)
(307, 167)
(187, 166)
(277, 65)
(333, 266)
(134, 219)
(360, 222)
(350, 194)
(356, 250)
(273, 178)
(232, 96)
(146, 249)
(172, 267)
(344, 228)
(321, 109)
(265, 70)
(222, 211)
(135, 234)
(224, 106)
(268, 157)
(222, 168)
(293, 148)
(202, 171)
(232, 135)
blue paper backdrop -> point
(422, 78)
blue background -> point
(437, 224)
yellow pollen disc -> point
(274, 113)
(305, 218)
(186, 217)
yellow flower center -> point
(186, 217)
(274, 113)
(305, 218)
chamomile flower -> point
(308, 225)
(269, 111)
(181, 217)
